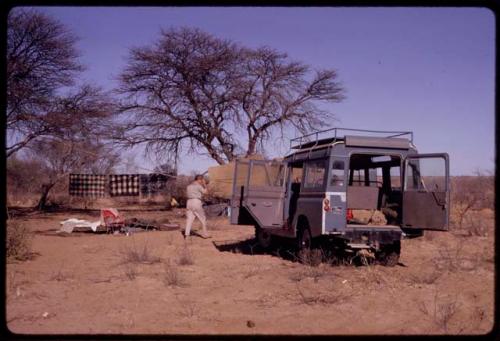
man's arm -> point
(203, 187)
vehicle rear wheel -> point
(263, 237)
(306, 253)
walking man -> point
(194, 192)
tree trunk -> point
(252, 143)
(42, 203)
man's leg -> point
(189, 221)
(200, 214)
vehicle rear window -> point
(337, 174)
(315, 174)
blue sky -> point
(430, 70)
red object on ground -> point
(111, 218)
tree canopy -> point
(42, 69)
(195, 92)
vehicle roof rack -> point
(313, 139)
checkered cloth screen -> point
(154, 183)
(87, 185)
(124, 184)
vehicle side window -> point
(427, 174)
(375, 176)
(315, 174)
(395, 173)
(337, 173)
(358, 177)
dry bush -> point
(308, 271)
(470, 193)
(130, 271)
(19, 240)
(171, 275)
(371, 274)
(59, 276)
(135, 254)
(24, 178)
(185, 256)
(425, 277)
(477, 225)
(313, 297)
(312, 257)
(478, 315)
(451, 258)
(189, 309)
(316, 264)
(15, 283)
(441, 312)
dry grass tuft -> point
(189, 309)
(171, 275)
(312, 257)
(441, 312)
(130, 271)
(318, 298)
(451, 258)
(60, 275)
(185, 256)
(478, 225)
(314, 272)
(425, 278)
(138, 254)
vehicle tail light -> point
(326, 205)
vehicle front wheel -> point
(263, 237)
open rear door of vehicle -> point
(426, 192)
(265, 192)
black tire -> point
(307, 254)
(389, 254)
(305, 239)
(264, 238)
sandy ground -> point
(83, 284)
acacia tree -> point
(41, 63)
(181, 90)
(275, 92)
(191, 89)
(80, 120)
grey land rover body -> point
(310, 195)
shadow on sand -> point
(284, 251)
(251, 247)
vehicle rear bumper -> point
(371, 235)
